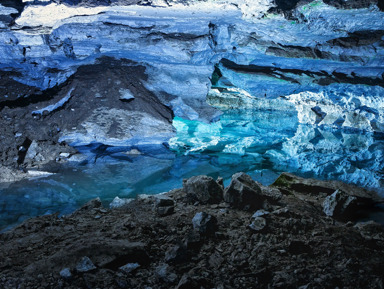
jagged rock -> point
(204, 188)
(192, 240)
(243, 192)
(85, 265)
(66, 274)
(128, 268)
(187, 282)
(204, 223)
(164, 205)
(176, 254)
(339, 204)
(164, 273)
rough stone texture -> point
(204, 223)
(85, 265)
(299, 248)
(339, 204)
(243, 192)
(94, 113)
(204, 189)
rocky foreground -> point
(297, 233)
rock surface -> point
(300, 246)
(115, 72)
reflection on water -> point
(262, 143)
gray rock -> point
(165, 211)
(85, 265)
(128, 268)
(204, 223)
(204, 188)
(66, 274)
(260, 213)
(164, 205)
(339, 204)
(164, 201)
(164, 274)
(243, 192)
(258, 224)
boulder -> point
(204, 223)
(339, 204)
(164, 205)
(205, 189)
(243, 192)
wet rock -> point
(205, 189)
(164, 205)
(243, 192)
(85, 265)
(164, 273)
(204, 223)
(176, 254)
(130, 267)
(66, 274)
(339, 204)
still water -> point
(262, 143)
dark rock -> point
(165, 211)
(164, 201)
(204, 223)
(186, 282)
(176, 254)
(85, 265)
(297, 247)
(204, 188)
(243, 192)
(339, 204)
(192, 240)
(164, 273)
(164, 205)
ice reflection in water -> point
(262, 143)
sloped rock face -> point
(87, 108)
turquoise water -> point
(260, 142)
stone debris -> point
(130, 267)
(85, 265)
(118, 203)
(204, 223)
(204, 189)
(292, 244)
(164, 205)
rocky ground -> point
(297, 233)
